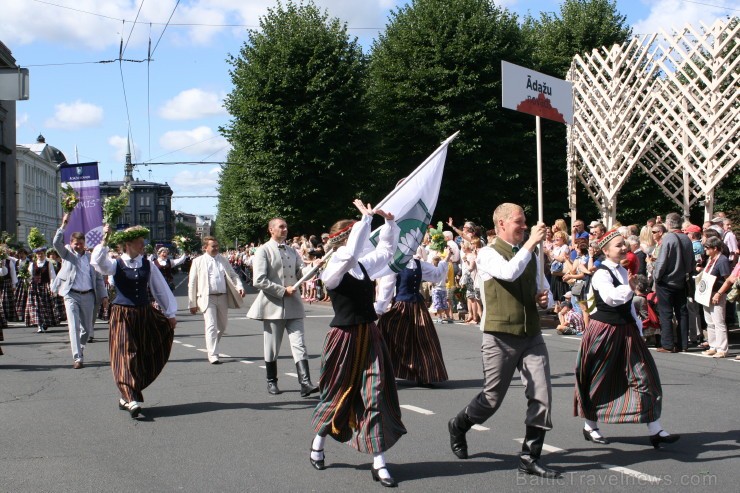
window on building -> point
(145, 218)
(145, 200)
(160, 216)
(161, 201)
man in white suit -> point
(213, 287)
(80, 286)
(276, 268)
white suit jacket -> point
(270, 275)
(198, 287)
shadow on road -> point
(208, 407)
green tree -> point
(297, 124)
(435, 70)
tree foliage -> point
(297, 124)
(435, 70)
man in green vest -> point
(513, 287)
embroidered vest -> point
(353, 300)
(132, 285)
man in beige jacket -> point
(213, 287)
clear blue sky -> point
(174, 103)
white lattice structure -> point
(669, 104)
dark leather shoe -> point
(77, 365)
(272, 388)
(664, 350)
(534, 468)
(596, 439)
(458, 442)
(134, 409)
(386, 482)
(122, 405)
(216, 362)
(317, 464)
(656, 440)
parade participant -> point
(166, 265)
(40, 306)
(512, 289)
(276, 268)
(616, 377)
(358, 400)
(21, 289)
(8, 281)
(56, 263)
(213, 287)
(407, 328)
(79, 284)
(140, 336)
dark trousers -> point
(672, 301)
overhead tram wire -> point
(132, 27)
(165, 27)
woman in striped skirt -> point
(40, 306)
(21, 289)
(616, 377)
(8, 280)
(358, 399)
(407, 327)
(140, 337)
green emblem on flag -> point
(412, 227)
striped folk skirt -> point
(40, 307)
(140, 341)
(616, 377)
(7, 298)
(358, 401)
(413, 343)
(21, 299)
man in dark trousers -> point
(671, 272)
(513, 287)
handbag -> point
(577, 288)
(704, 283)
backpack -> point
(652, 320)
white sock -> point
(379, 465)
(318, 444)
(654, 428)
(590, 425)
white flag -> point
(412, 203)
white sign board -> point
(537, 94)
(14, 84)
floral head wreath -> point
(341, 235)
(437, 240)
(608, 236)
(39, 250)
(129, 234)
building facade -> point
(203, 226)
(37, 192)
(149, 205)
(8, 217)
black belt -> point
(81, 292)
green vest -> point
(510, 307)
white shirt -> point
(614, 295)
(347, 258)
(454, 252)
(216, 273)
(107, 266)
(174, 261)
(82, 280)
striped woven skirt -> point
(21, 298)
(40, 307)
(413, 343)
(140, 341)
(616, 377)
(358, 401)
(7, 298)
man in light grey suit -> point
(80, 285)
(276, 268)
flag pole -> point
(419, 168)
(315, 269)
(540, 202)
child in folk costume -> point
(358, 400)
(407, 328)
(21, 289)
(40, 306)
(140, 336)
(616, 377)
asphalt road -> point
(214, 428)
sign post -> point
(543, 96)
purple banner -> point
(88, 215)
